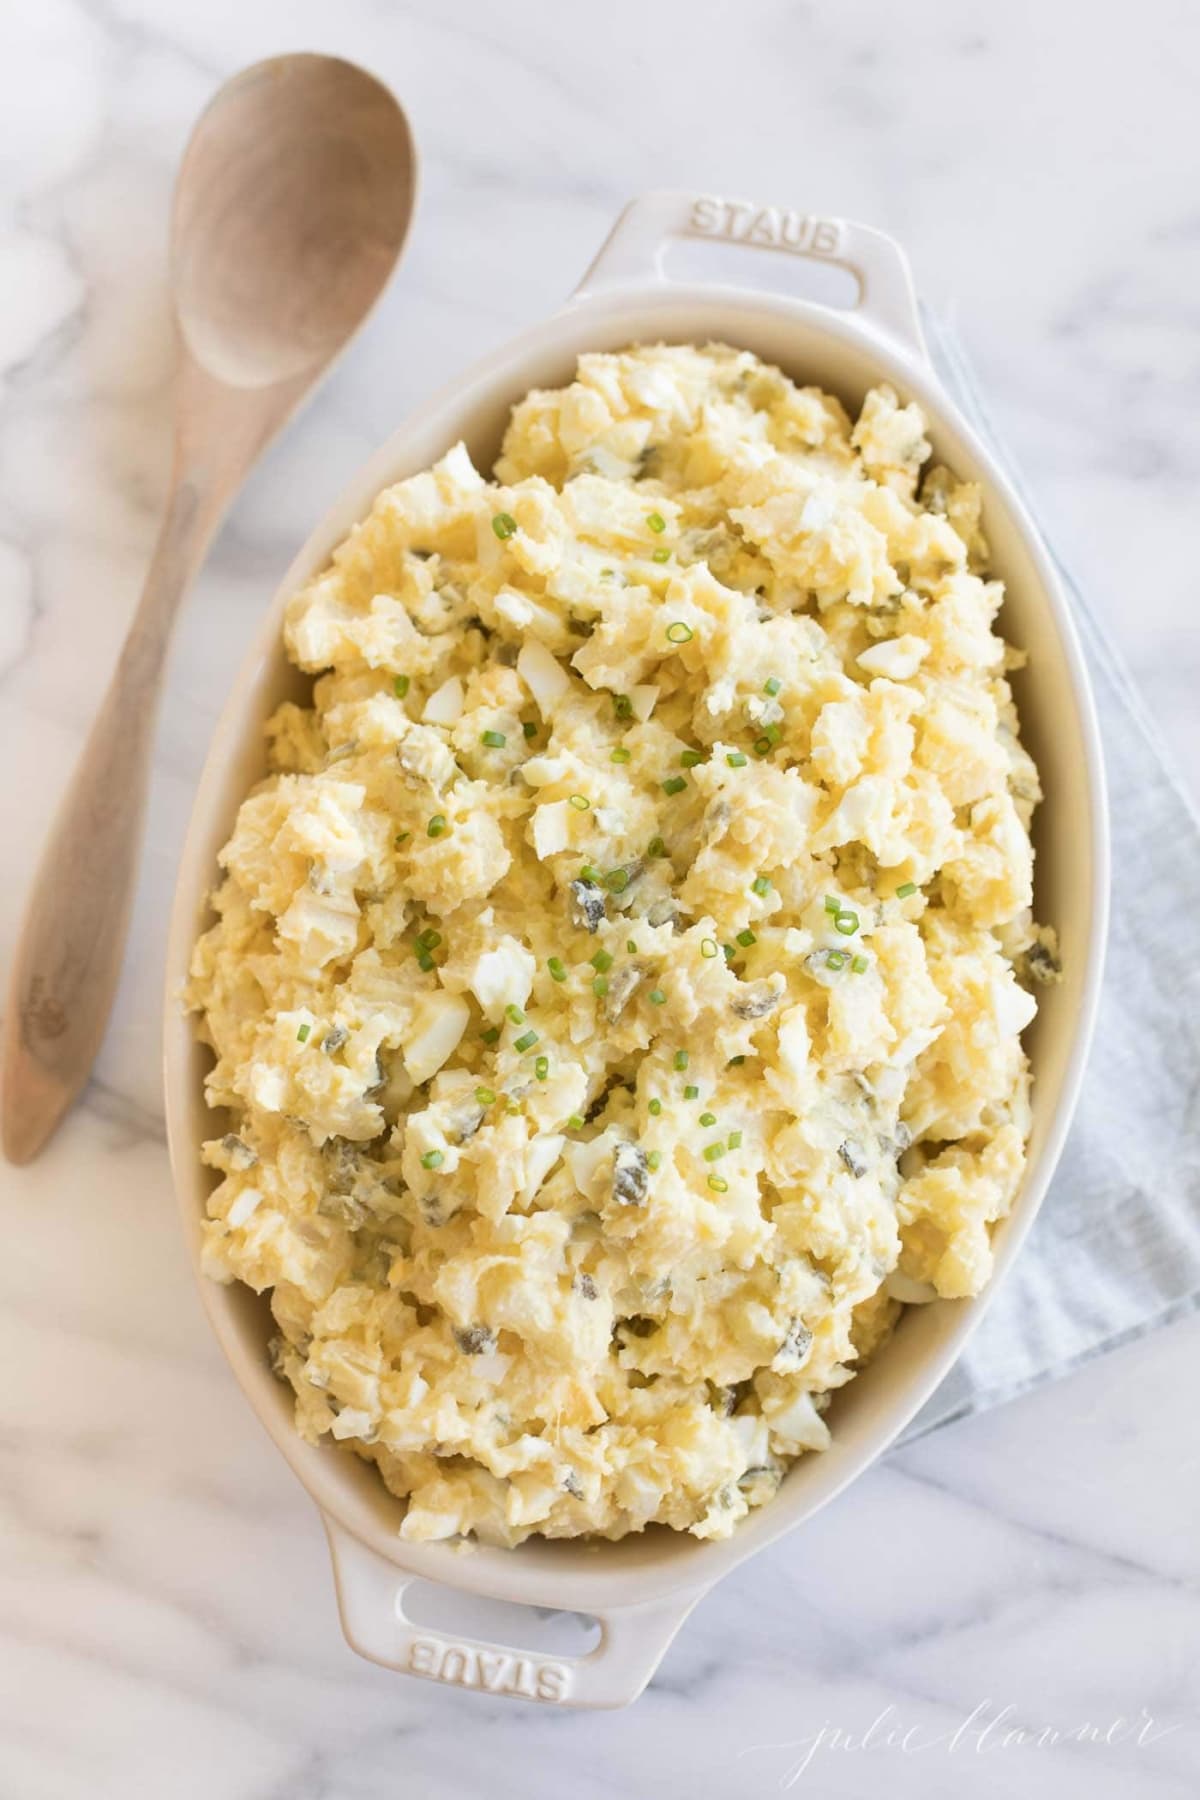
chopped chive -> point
(425, 962)
(576, 1122)
(491, 1035)
(735, 1140)
(432, 1159)
(772, 686)
(691, 1091)
(599, 986)
(679, 633)
(656, 847)
(714, 1152)
(746, 938)
(655, 1107)
(735, 759)
(773, 733)
(656, 522)
(762, 746)
(623, 706)
(708, 947)
(690, 758)
(429, 940)
(708, 1118)
(832, 905)
(436, 825)
(663, 555)
(858, 965)
(557, 968)
(302, 1034)
(504, 525)
(657, 997)
(602, 962)
(760, 886)
(526, 1041)
(675, 785)
(580, 802)
(589, 872)
(653, 1160)
(735, 1062)
(681, 1059)
(494, 740)
(729, 951)
(630, 946)
(541, 1067)
(846, 923)
(529, 728)
(909, 887)
(402, 837)
(835, 959)
(514, 1013)
(485, 1096)
(621, 755)
(400, 686)
(718, 1184)
(617, 880)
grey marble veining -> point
(167, 1625)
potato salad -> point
(617, 983)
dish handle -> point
(370, 1596)
(636, 246)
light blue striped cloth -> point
(1115, 1250)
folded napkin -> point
(1115, 1250)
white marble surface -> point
(166, 1614)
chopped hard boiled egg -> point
(616, 986)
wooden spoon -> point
(291, 208)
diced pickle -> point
(631, 1175)
(587, 906)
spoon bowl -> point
(293, 200)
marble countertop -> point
(167, 1624)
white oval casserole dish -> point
(642, 1588)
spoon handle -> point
(69, 953)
